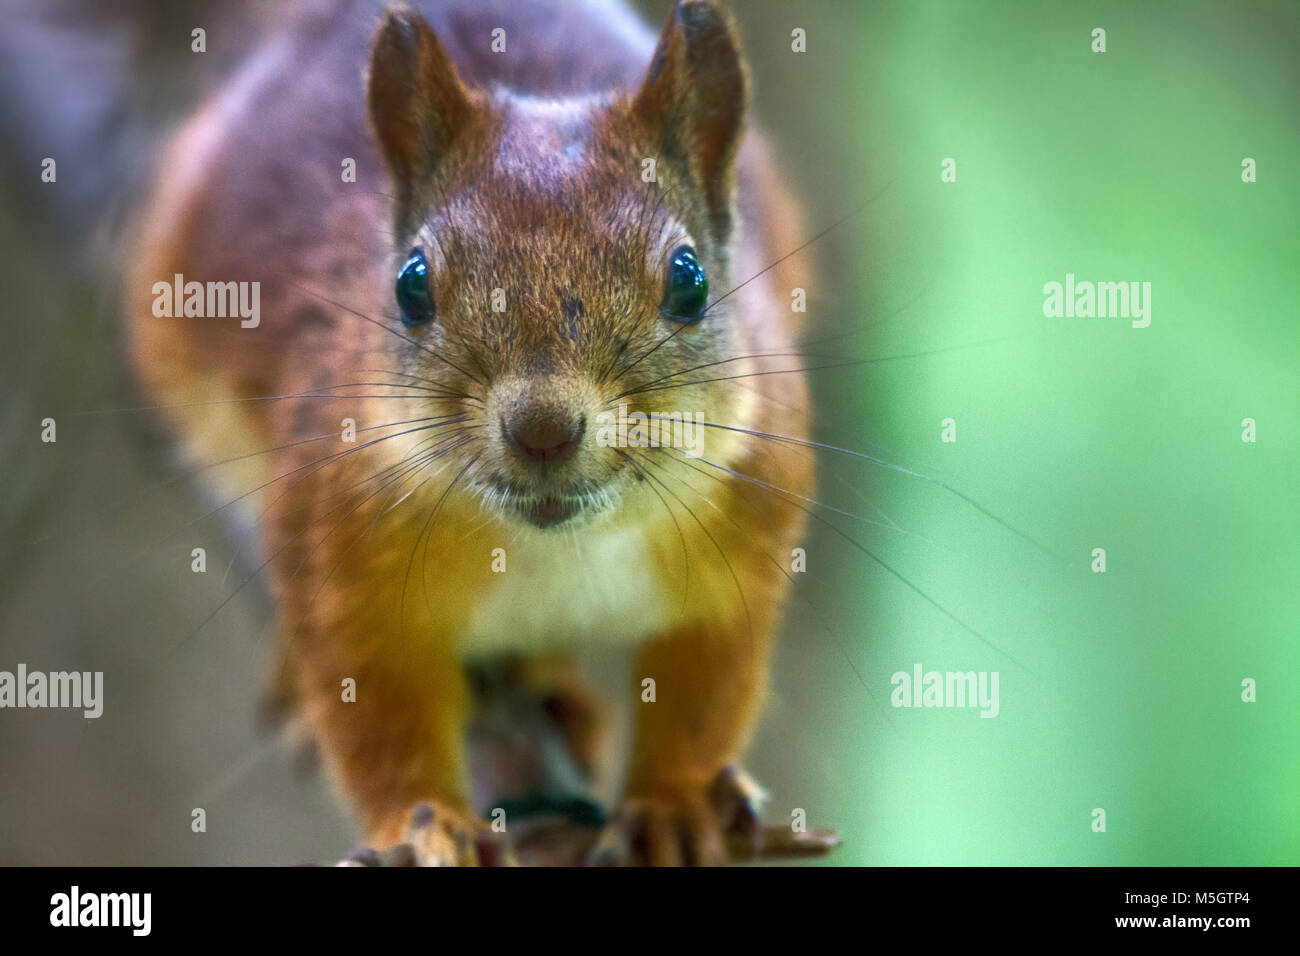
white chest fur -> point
(563, 590)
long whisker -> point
(794, 494)
(335, 456)
(876, 360)
(681, 538)
(899, 577)
(721, 553)
(648, 386)
(390, 331)
(800, 248)
(841, 642)
(384, 482)
(428, 525)
(809, 443)
(323, 392)
(415, 452)
(257, 571)
(192, 472)
(429, 457)
(418, 451)
(646, 354)
(875, 321)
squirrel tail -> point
(95, 85)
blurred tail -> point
(94, 85)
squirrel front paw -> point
(436, 834)
(704, 826)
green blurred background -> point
(1119, 690)
(1123, 165)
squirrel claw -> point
(712, 828)
(738, 800)
(657, 831)
(437, 835)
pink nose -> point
(545, 439)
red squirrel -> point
(538, 261)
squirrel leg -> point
(678, 808)
(396, 746)
(369, 635)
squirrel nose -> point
(545, 439)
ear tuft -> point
(695, 95)
(417, 101)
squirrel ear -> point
(417, 101)
(694, 95)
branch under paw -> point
(559, 842)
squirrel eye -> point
(687, 288)
(413, 296)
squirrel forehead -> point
(549, 141)
(567, 151)
(483, 240)
(557, 181)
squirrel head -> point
(560, 263)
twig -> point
(558, 842)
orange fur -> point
(392, 594)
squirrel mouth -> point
(554, 506)
(550, 511)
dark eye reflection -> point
(412, 290)
(687, 289)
